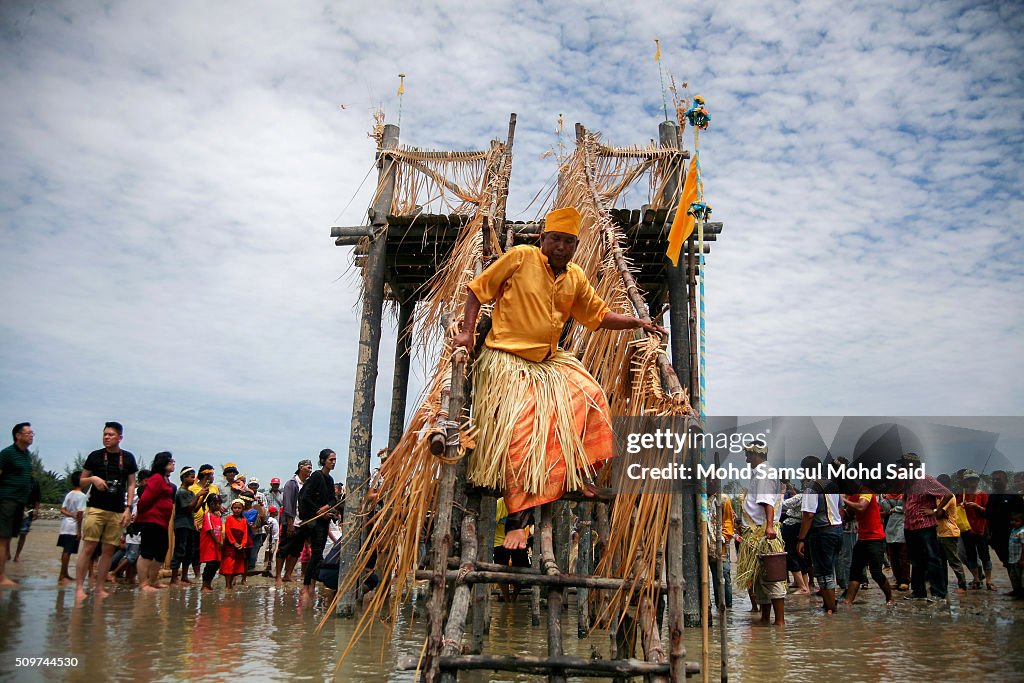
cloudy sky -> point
(170, 173)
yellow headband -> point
(565, 220)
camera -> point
(113, 486)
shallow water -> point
(182, 634)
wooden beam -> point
(360, 434)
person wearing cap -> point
(236, 544)
(1003, 502)
(975, 503)
(761, 514)
(275, 496)
(256, 515)
(204, 489)
(949, 537)
(521, 372)
(254, 490)
(821, 530)
(273, 538)
(228, 487)
(290, 546)
(925, 497)
(316, 501)
(186, 537)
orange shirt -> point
(728, 528)
(532, 305)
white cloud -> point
(171, 172)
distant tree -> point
(51, 485)
(76, 466)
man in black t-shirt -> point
(110, 472)
(316, 498)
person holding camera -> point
(110, 471)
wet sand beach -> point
(259, 631)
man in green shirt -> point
(15, 485)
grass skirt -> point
(543, 427)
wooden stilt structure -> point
(459, 571)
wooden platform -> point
(417, 245)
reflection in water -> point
(262, 632)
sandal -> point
(990, 586)
(975, 585)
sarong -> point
(545, 428)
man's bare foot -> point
(148, 589)
(780, 622)
(185, 581)
(805, 591)
(206, 589)
(159, 586)
(762, 622)
(8, 583)
(516, 539)
(100, 593)
(65, 580)
(80, 595)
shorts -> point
(69, 542)
(155, 541)
(131, 552)
(102, 526)
(290, 545)
(26, 525)
(825, 543)
(11, 513)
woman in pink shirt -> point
(156, 504)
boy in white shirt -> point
(70, 526)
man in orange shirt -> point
(544, 421)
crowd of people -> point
(124, 522)
(835, 533)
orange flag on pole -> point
(682, 224)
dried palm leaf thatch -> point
(501, 382)
(753, 544)
(398, 515)
(624, 365)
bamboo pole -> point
(705, 636)
(535, 565)
(724, 642)
(584, 566)
(481, 591)
(403, 358)
(555, 594)
(668, 377)
(442, 536)
(358, 468)
(456, 626)
(676, 583)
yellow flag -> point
(657, 53)
(682, 224)
(401, 84)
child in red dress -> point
(210, 541)
(236, 540)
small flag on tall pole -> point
(401, 91)
(661, 75)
